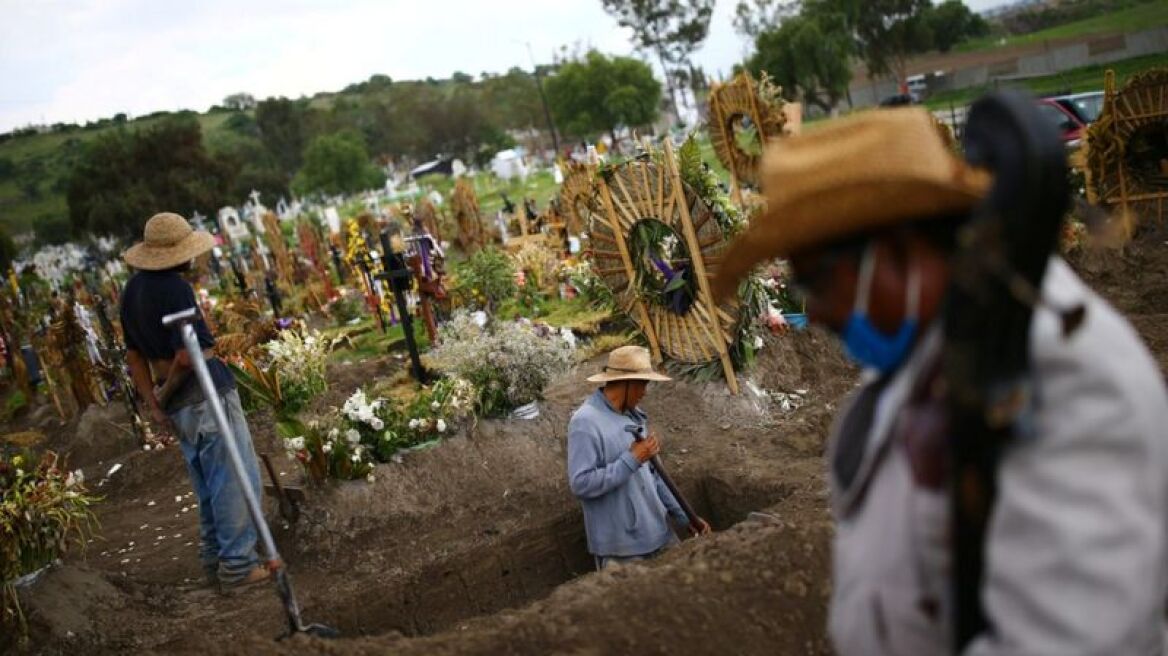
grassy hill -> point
(1130, 19)
(44, 160)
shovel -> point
(183, 321)
(637, 432)
(289, 510)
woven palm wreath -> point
(640, 194)
(1127, 147)
(466, 214)
(576, 196)
(743, 98)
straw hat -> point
(169, 241)
(628, 363)
(847, 177)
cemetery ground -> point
(476, 545)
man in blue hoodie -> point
(625, 502)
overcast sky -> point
(73, 61)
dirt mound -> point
(1135, 280)
(485, 523)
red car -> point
(1070, 126)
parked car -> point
(1085, 106)
(900, 99)
(1069, 125)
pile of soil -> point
(481, 524)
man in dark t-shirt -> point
(161, 370)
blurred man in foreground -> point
(868, 211)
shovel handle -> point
(655, 461)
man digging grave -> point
(161, 371)
(622, 488)
(999, 485)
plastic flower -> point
(377, 424)
(352, 436)
(327, 447)
(414, 423)
(435, 405)
(441, 426)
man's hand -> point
(161, 420)
(646, 448)
(701, 527)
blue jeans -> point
(227, 534)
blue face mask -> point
(866, 344)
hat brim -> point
(154, 258)
(855, 210)
(609, 378)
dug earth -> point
(477, 546)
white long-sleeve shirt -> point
(1077, 546)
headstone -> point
(232, 225)
(333, 220)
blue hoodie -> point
(625, 504)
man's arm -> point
(585, 478)
(1077, 535)
(140, 374)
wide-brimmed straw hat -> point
(169, 241)
(848, 177)
(628, 363)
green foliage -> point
(671, 29)
(598, 94)
(807, 55)
(15, 404)
(702, 179)
(123, 178)
(485, 279)
(42, 507)
(951, 23)
(7, 249)
(507, 362)
(336, 164)
(281, 124)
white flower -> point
(435, 405)
(356, 457)
(377, 424)
(352, 436)
(414, 423)
(75, 477)
(295, 443)
(370, 478)
(334, 434)
(441, 426)
(327, 447)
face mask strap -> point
(864, 284)
(913, 301)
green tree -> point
(123, 178)
(951, 22)
(281, 124)
(671, 29)
(336, 164)
(7, 250)
(249, 165)
(808, 57)
(599, 94)
(885, 33)
(240, 101)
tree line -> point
(808, 46)
(335, 144)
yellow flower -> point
(17, 461)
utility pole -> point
(547, 112)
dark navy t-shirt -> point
(151, 295)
